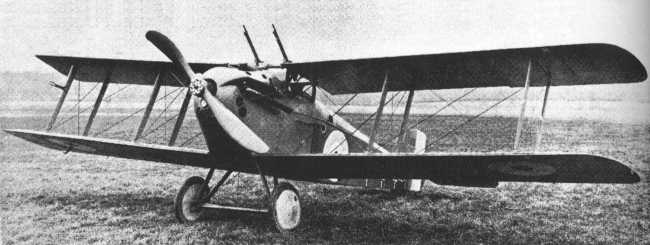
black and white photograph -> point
(324, 122)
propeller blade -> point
(235, 127)
(167, 47)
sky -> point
(210, 31)
(311, 30)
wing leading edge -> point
(479, 169)
(117, 148)
(122, 71)
(579, 64)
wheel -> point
(286, 207)
(187, 205)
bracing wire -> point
(345, 104)
(158, 127)
(160, 115)
(394, 108)
(119, 121)
(78, 104)
(88, 107)
(436, 113)
(187, 141)
(444, 100)
(470, 120)
(363, 123)
(328, 98)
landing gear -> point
(283, 202)
(188, 202)
(286, 207)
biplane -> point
(265, 119)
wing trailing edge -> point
(465, 169)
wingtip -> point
(151, 34)
(42, 57)
(16, 132)
(641, 71)
(635, 177)
(9, 131)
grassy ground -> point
(47, 197)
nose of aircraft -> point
(230, 123)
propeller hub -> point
(198, 85)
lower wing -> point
(468, 169)
(464, 169)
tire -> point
(286, 208)
(187, 204)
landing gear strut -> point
(194, 195)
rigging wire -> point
(78, 104)
(437, 112)
(119, 121)
(72, 117)
(190, 139)
(82, 98)
(471, 119)
(362, 123)
(394, 108)
(160, 115)
(149, 130)
(346, 103)
(165, 112)
(108, 98)
(444, 100)
(88, 107)
(327, 97)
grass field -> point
(51, 198)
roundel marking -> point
(336, 143)
(525, 168)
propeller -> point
(228, 120)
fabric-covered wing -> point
(123, 71)
(565, 65)
(124, 149)
(453, 169)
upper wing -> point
(477, 169)
(453, 169)
(564, 65)
(122, 71)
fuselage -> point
(290, 122)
